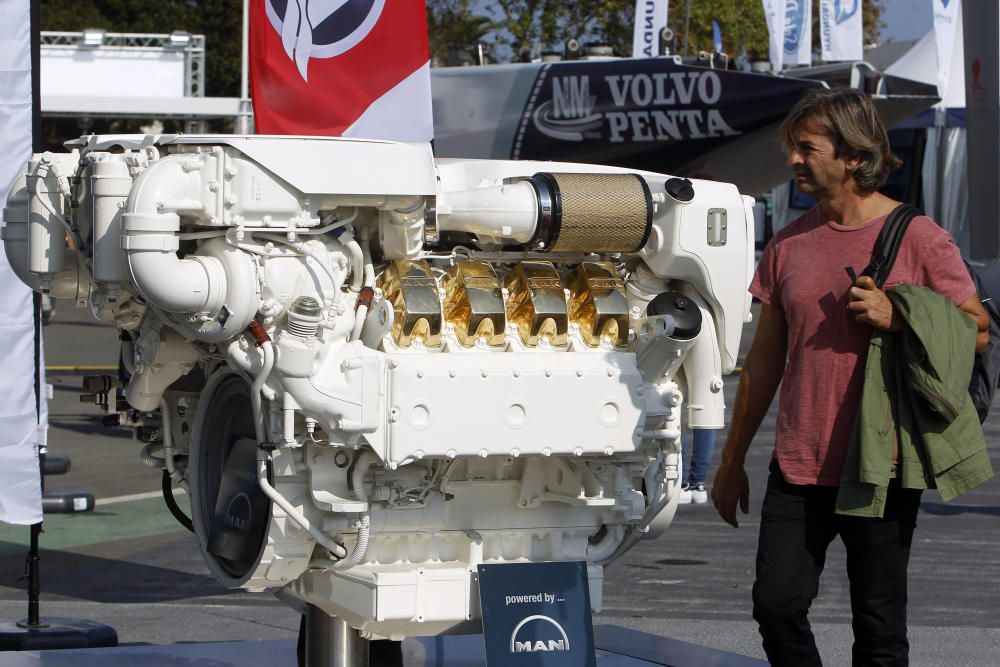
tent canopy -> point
(920, 63)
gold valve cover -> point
(597, 303)
(536, 303)
(473, 303)
(413, 292)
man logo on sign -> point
(239, 513)
(535, 627)
(321, 28)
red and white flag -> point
(354, 68)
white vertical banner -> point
(841, 31)
(798, 42)
(20, 479)
(946, 18)
(650, 18)
(774, 14)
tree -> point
(744, 28)
(454, 32)
(219, 20)
(545, 24)
(528, 25)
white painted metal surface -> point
(430, 391)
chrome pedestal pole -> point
(331, 642)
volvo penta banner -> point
(644, 114)
(797, 45)
(357, 68)
(840, 29)
(20, 478)
(650, 18)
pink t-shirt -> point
(803, 272)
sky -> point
(906, 19)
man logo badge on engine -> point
(533, 627)
(537, 614)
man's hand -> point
(870, 305)
(731, 485)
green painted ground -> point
(135, 518)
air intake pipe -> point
(556, 212)
(218, 283)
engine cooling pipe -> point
(264, 455)
(178, 478)
(201, 283)
(556, 212)
(151, 223)
(263, 463)
(401, 227)
(361, 466)
(703, 372)
(244, 358)
(603, 549)
(508, 211)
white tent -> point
(945, 191)
(944, 171)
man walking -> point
(812, 337)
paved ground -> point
(129, 565)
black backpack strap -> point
(887, 244)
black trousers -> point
(796, 527)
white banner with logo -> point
(774, 14)
(650, 18)
(798, 32)
(946, 17)
(20, 481)
(841, 31)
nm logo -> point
(538, 634)
(569, 115)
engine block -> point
(374, 370)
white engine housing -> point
(376, 371)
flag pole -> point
(243, 120)
(687, 25)
(35, 632)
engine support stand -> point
(331, 642)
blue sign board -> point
(537, 615)
(648, 113)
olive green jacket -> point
(915, 408)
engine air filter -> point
(592, 212)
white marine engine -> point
(374, 371)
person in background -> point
(697, 457)
(812, 338)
